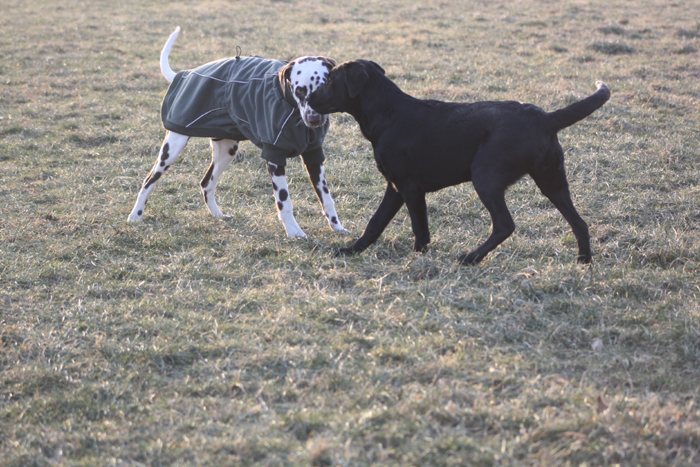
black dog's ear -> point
(284, 74)
(356, 78)
(378, 67)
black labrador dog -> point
(422, 146)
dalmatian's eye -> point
(301, 93)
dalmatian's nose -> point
(314, 118)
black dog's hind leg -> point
(415, 202)
(492, 194)
(554, 186)
(390, 205)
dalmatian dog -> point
(246, 98)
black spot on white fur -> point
(207, 177)
(283, 195)
(152, 179)
(165, 154)
(275, 170)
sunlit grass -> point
(186, 340)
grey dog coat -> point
(241, 99)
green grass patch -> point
(186, 340)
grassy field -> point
(185, 340)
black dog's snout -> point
(317, 105)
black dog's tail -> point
(562, 118)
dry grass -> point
(190, 341)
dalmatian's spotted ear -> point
(284, 74)
(328, 63)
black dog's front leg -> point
(390, 205)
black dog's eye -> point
(300, 93)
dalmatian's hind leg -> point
(223, 152)
(172, 146)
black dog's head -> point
(343, 86)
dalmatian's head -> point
(305, 75)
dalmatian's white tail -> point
(164, 65)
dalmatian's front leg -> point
(172, 146)
(284, 203)
(318, 180)
(223, 152)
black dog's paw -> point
(584, 259)
(471, 258)
(420, 247)
(343, 252)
